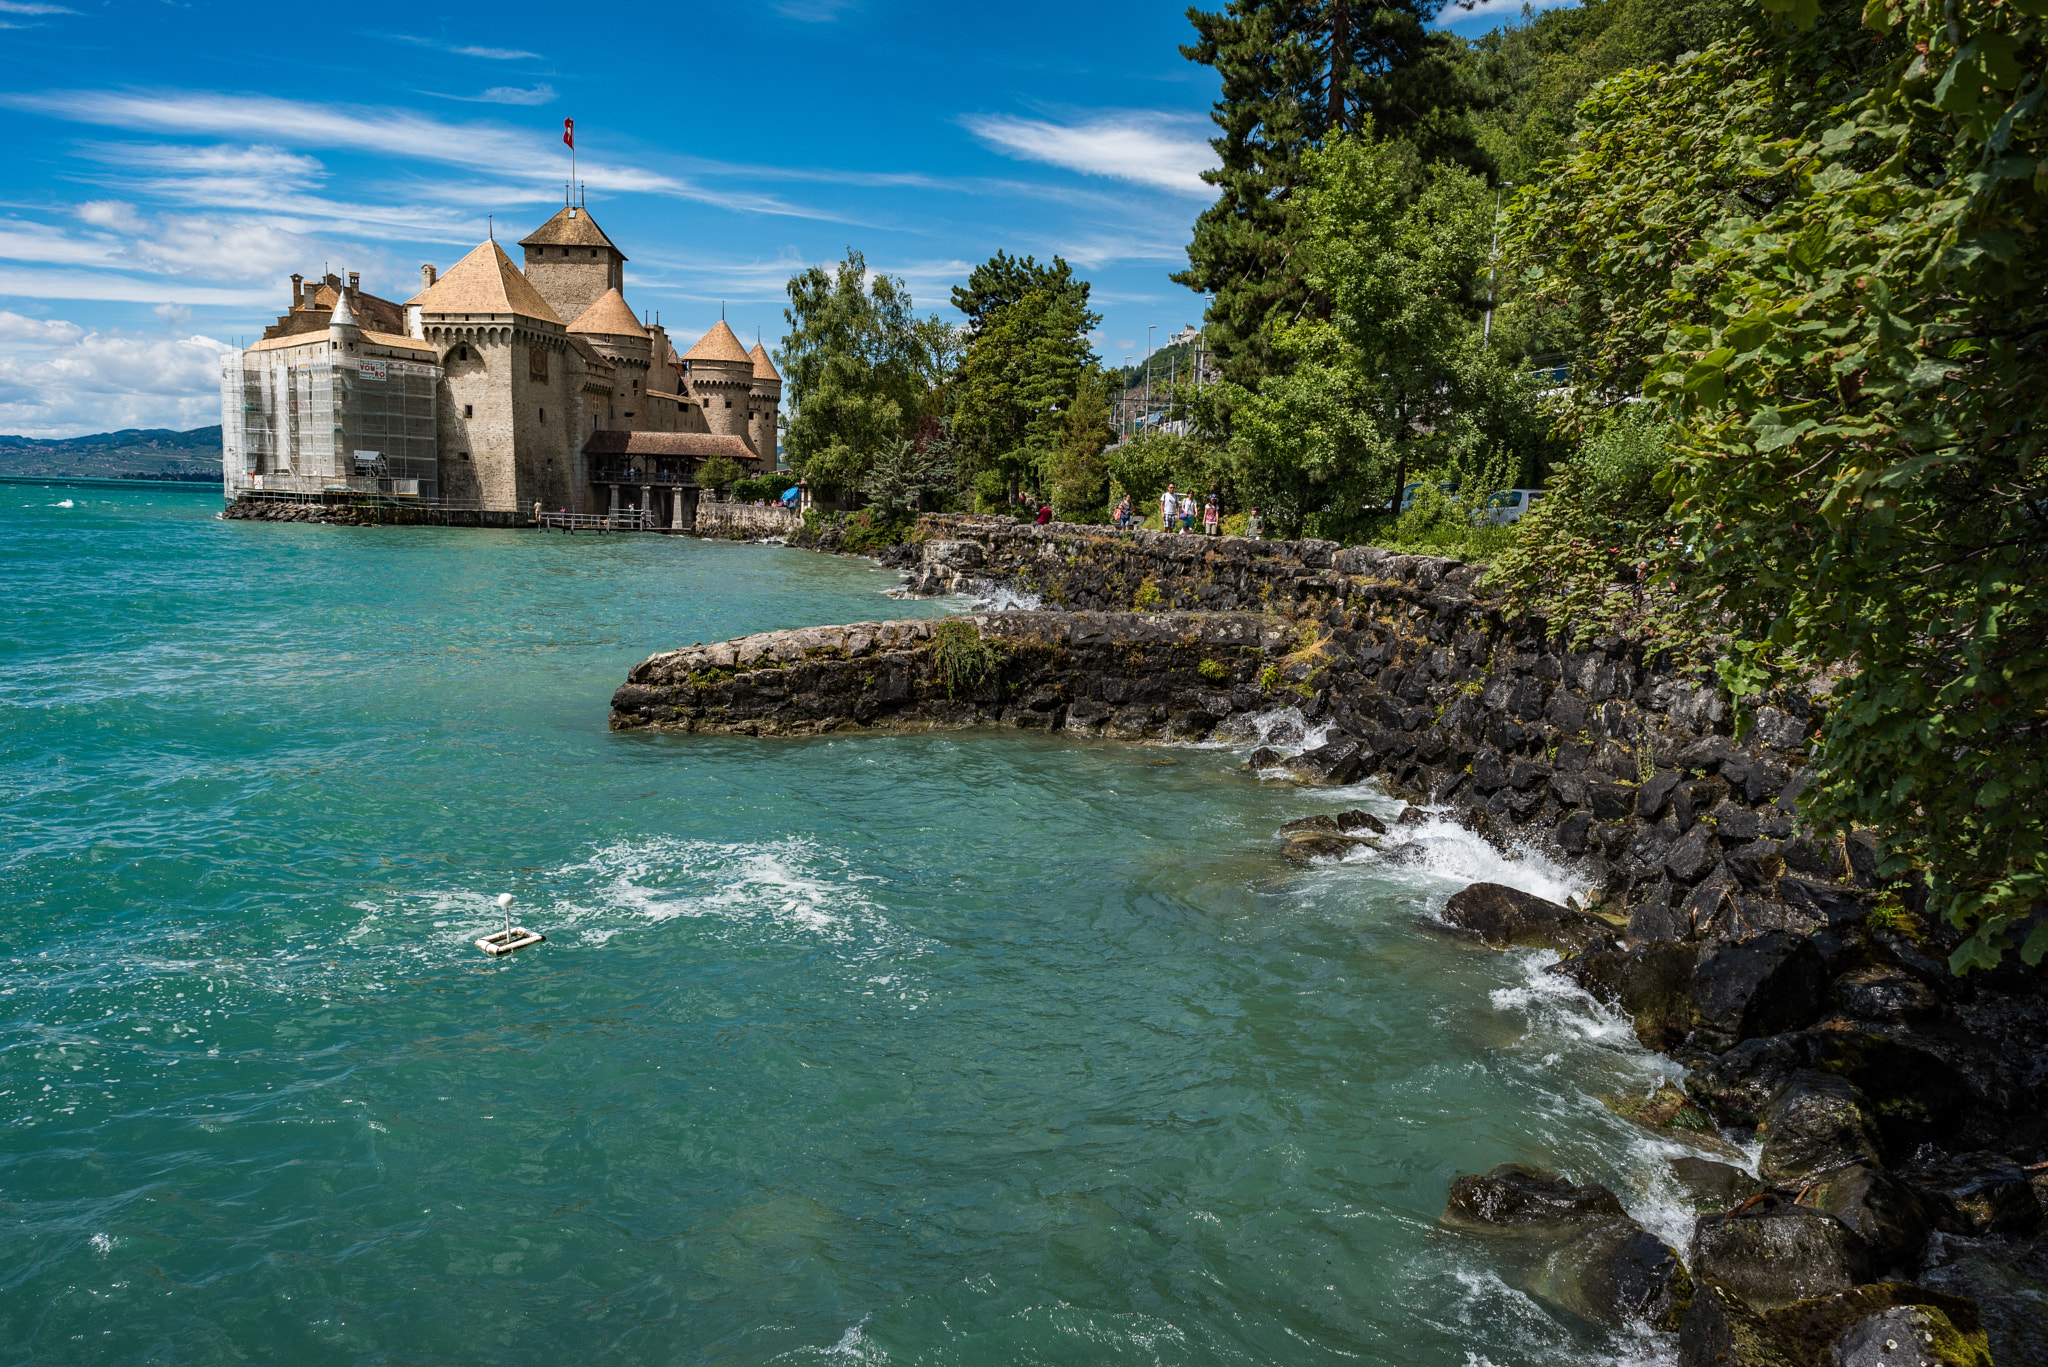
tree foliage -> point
(1295, 73)
(856, 367)
(1398, 378)
(1830, 285)
(1027, 356)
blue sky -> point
(170, 165)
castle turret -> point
(721, 378)
(571, 262)
(610, 327)
(766, 398)
(342, 329)
(507, 404)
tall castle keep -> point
(496, 386)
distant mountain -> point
(148, 453)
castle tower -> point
(610, 327)
(571, 262)
(721, 376)
(766, 398)
(507, 409)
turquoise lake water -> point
(973, 1047)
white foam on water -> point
(67, 503)
(1438, 858)
(996, 598)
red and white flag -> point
(569, 132)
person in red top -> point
(1044, 513)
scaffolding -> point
(300, 420)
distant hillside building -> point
(477, 392)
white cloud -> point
(56, 379)
(21, 240)
(519, 154)
(110, 287)
(15, 330)
(1457, 11)
(490, 54)
(16, 7)
(1162, 150)
(511, 94)
(813, 11)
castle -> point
(477, 393)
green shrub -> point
(1147, 594)
(961, 657)
(1213, 671)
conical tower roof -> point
(719, 345)
(343, 315)
(610, 317)
(764, 369)
(572, 226)
(485, 281)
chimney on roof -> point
(298, 287)
(355, 281)
(427, 275)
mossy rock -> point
(1933, 1327)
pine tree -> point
(1293, 73)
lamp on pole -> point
(1150, 328)
(1486, 333)
(1123, 400)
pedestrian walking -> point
(1254, 527)
(1210, 516)
(1169, 508)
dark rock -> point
(1650, 984)
(1816, 1122)
(1265, 757)
(1833, 1331)
(1890, 1215)
(1767, 985)
(1489, 774)
(1571, 833)
(1690, 801)
(1307, 824)
(2008, 1281)
(1757, 864)
(1775, 1253)
(1304, 848)
(1778, 729)
(1661, 915)
(1611, 801)
(1833, 903)
(1885, 994)
(1691, 855)
(1979, 1194)
(1411, 816)
(1617, 1274)
(1338, 762)
(1502, 916)
(1713, 1185)
(1922, 1334)
(1814, 858)
(1735, 824)
(1513, 1196)
(1667, 1110)
(1650, 798)
(1719, 1330)
(1355, 820)
(1916, 1093)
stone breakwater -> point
(1095, 568)
(744, 522)
(343, 514)
(1132, 675)
(1903, 1171)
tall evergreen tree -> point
(1295, 72)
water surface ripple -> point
(961, 1048)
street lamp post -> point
(1486, 333)
(1150, 328)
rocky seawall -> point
(345, 514)
(1900, 1185)
(744, 522)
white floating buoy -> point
(511, 937)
